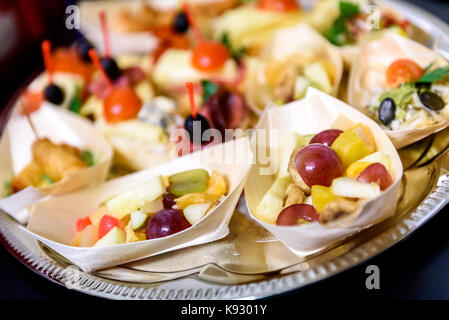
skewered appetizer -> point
(50, 163)
(325, 177)
(158, 208)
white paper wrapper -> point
(60, 126)
(300, 42)
(53, 221)
(367, 78)
(121, 43)
(313, 114)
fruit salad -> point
(325, 177)
(158, 208)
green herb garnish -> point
(46, 179)
(338, 33)
(432, 76)
(7, 186)
(87, 157)
(75, 103)
(236, 53)
(209, 89)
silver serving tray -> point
(250, 263)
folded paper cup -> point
(294, 47)
(53, 221)
(367, 78)
(60, 126)
(313, 114)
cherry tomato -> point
(278, 5)
(106, 224)
(31, 101)
(122, 103)
(209, 56)
(403, 70)
(82, 223)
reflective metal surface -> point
(250, 262)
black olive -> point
(181, 23)
(387, 111)
(54, 94)
(110, 66)
(423, 86)
(192, 123)
(432, 100)
(83, 47)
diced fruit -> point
(316, 164)
(291, 141)
(193, 198)
(153, 206)
(378, 157)
(129, 201)
(297, 214)
(106, 224)
(82, 223)
(130, 234)
(165, 223)
(365, 133)
(191, 181)
(321, 196)
(89, 236)
(301, 86)
(217, 185)
(350, 147)
(168, 200)
(308, 200)
(113, 237)
(327, 137)
(317, 74)
(138, 219)
(195, 212)
(272, 203)
(378, 174)
(356, 168)
(349, 188)
(97, 215)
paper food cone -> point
(313, 114)
(53, 221)
(368, 79)
(301, 43)
(121, 42)
(60, 126)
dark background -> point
(417, 268)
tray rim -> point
(90, 284)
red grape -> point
(376, 173)
(292, 214)
(326, 137)
(168, 200)
(318, 164)
(165, 223)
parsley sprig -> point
(236, 53)
(209, 89)
(337, 34)
(432, 76)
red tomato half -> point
(209, 56)
(122, 103)
(403, 70)
(278, 5)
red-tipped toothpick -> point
(26, 112)
(97, 63)
(48, 60)
(196, 30)
(190, 91)
(105, 31)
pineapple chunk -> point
(134, 199)
(321, 196)
(272, 203)
(350, 188)
(113, 237)
(378, 157)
